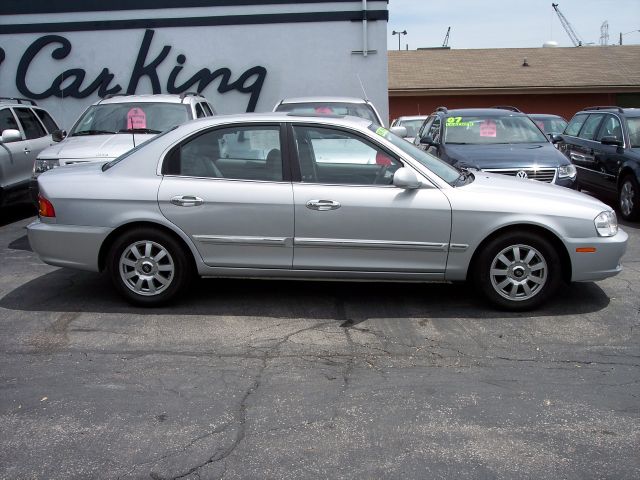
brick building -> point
(536, 80)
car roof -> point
(157, 98)
(17, 102)
(545, 115)
(488, 112)
(324, 100)
(341, 120)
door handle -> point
(323, 205)
(186, 201)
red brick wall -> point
(565, 105)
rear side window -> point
(610, 128)
(207, 109)
(574, 125)
(49, 123)
(30, 124)
(590, 127)
(241, 153)
(7, 120)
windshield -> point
(361, 110)
(443, 170)
(412, 126)
(479, 130)
(139, 117)
(634, 131)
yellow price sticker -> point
(382, 131)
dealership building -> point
(241, 55)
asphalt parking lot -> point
(285, 380)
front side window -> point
(241, 153)
(590, 127)
(48, 121)
(333, 156)
(434, 130)
(478, 130)
(199, 111)
(30, 124)
(634, 131)
(142, 117)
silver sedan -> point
(337, 198)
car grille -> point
(540, 174)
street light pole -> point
(621, 34)
(399, 33)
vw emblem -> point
(522, 174)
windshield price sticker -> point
(457, 122)
(488, 128)
(136, 118)
(382, 131)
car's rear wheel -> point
(518, 271)
(148, 267)
(629, 198)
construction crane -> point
(446, 38)
(577, 42)
(604, 34)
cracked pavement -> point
(287, 380)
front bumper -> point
(72, 246)
(601, 264)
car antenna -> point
(133, 133)
(362, 87)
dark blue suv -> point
(604, 145)
(495, 140)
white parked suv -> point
(115, 125)
(356, 107)
(25, 130)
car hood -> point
(94, 147)
(506, 155)
(510, 194)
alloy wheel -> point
(518, 272)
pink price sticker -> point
(488, 128)
(136, 118)
(540, 124)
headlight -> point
(42, 165)
(606, 224)
(567, 171)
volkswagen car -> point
(245, 196)
(497, 140)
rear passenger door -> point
(580, 148)
(608, 158)
(228, 188)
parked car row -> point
(598, 150)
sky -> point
(509, 23)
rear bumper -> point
(603, 263)
(70, 246)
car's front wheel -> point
(629, 198)
(518, 271)
(148, 267)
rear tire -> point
(518, 271)
(629, 198)
(148, 267)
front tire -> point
(148, 267)
(629, 198)
(518, 271)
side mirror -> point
(555, 138)
(611, 140)
(399, 131)
(58, 135)
(406, 178)
(10, 135)
(428, 140)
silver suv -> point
(26, 130)
(115, 125)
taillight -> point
(45, 207)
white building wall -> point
(301, 58)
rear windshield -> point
(479, 130)
(361, 110)
(146, 117)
